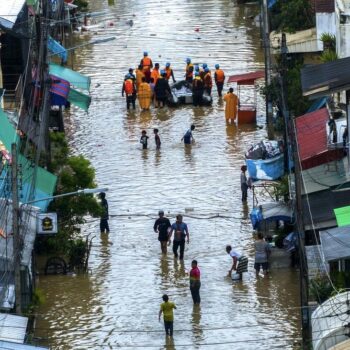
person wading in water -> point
(162, 226)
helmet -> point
(188, 60)
(206, 70)
(145, 53)
(196, 68)
(217, 66)
(204, 65)
(167, 64)
(196, 74)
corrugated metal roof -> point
(312, 139)
(335, 243)
(4, 345)
(246, 78)
(9, 11)
(323, 79)
(324, 6)
(13, 328)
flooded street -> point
(116, 305)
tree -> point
(292, 15)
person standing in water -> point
(104, 227)
(144, 139)
(195, 282)
(162, 226)
(157, 138)
(188, 137)
(244, 183)
(239, 262)
(180, 230)
(166, 308)
(231, 106)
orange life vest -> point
(129, 87)
(220, 76)
(208, 82)
(168, 72)
(155, 75)
(189, 70)
(146, 63)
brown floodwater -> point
(116, 305)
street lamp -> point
(78, 192)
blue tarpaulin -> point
(57, 49)
(270, 3)
(318, 104)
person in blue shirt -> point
(188, 137)
(180, 233)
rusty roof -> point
(246, 78)
(324, 6)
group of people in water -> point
(151, 83)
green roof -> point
(79, 99)
(343, 216)
(8, 133)
(76, 79)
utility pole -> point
(15, 229)
(267, 55)
(291, 142)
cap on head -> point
(167, 64)
(188, 60)
(145, 53)
(206, 69)
(204, 65)
(196, 68)
(217, 66)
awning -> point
(76, 79)
(8, 133)
(9, 11)
(247, 78)
(13, 328)
(335, 243)
(318, 104)
(57, 49)
(327, 78)
(314, 150)
(79, 99)
(343, 216)
(59, 91)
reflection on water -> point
(116, 305)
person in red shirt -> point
(195, 282)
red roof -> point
(312, 139)
(247, 78)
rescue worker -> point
(144, 93)
(208, 81)
(169, 72)
(146, 64)
(155, 73)
(197, 90)
(139, 76)
(231, 107)
(132, 75)
(162, 89)
(219, 77)
(189, 71)
(130, 91)
(202, 70)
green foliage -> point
(329, 41)
(282, 189)
(77, 253)
(292, 15)
(328, 56)
(321, 289)
(59, 151)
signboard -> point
(46, 224)
(316, 265)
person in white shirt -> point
(239, 262)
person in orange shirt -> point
(130, 91)
(139, 75)
(155, 74)
(146, 64)
(232, 103)
(219, 77)
(169, 72)
(208, 81)
(189, 71)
